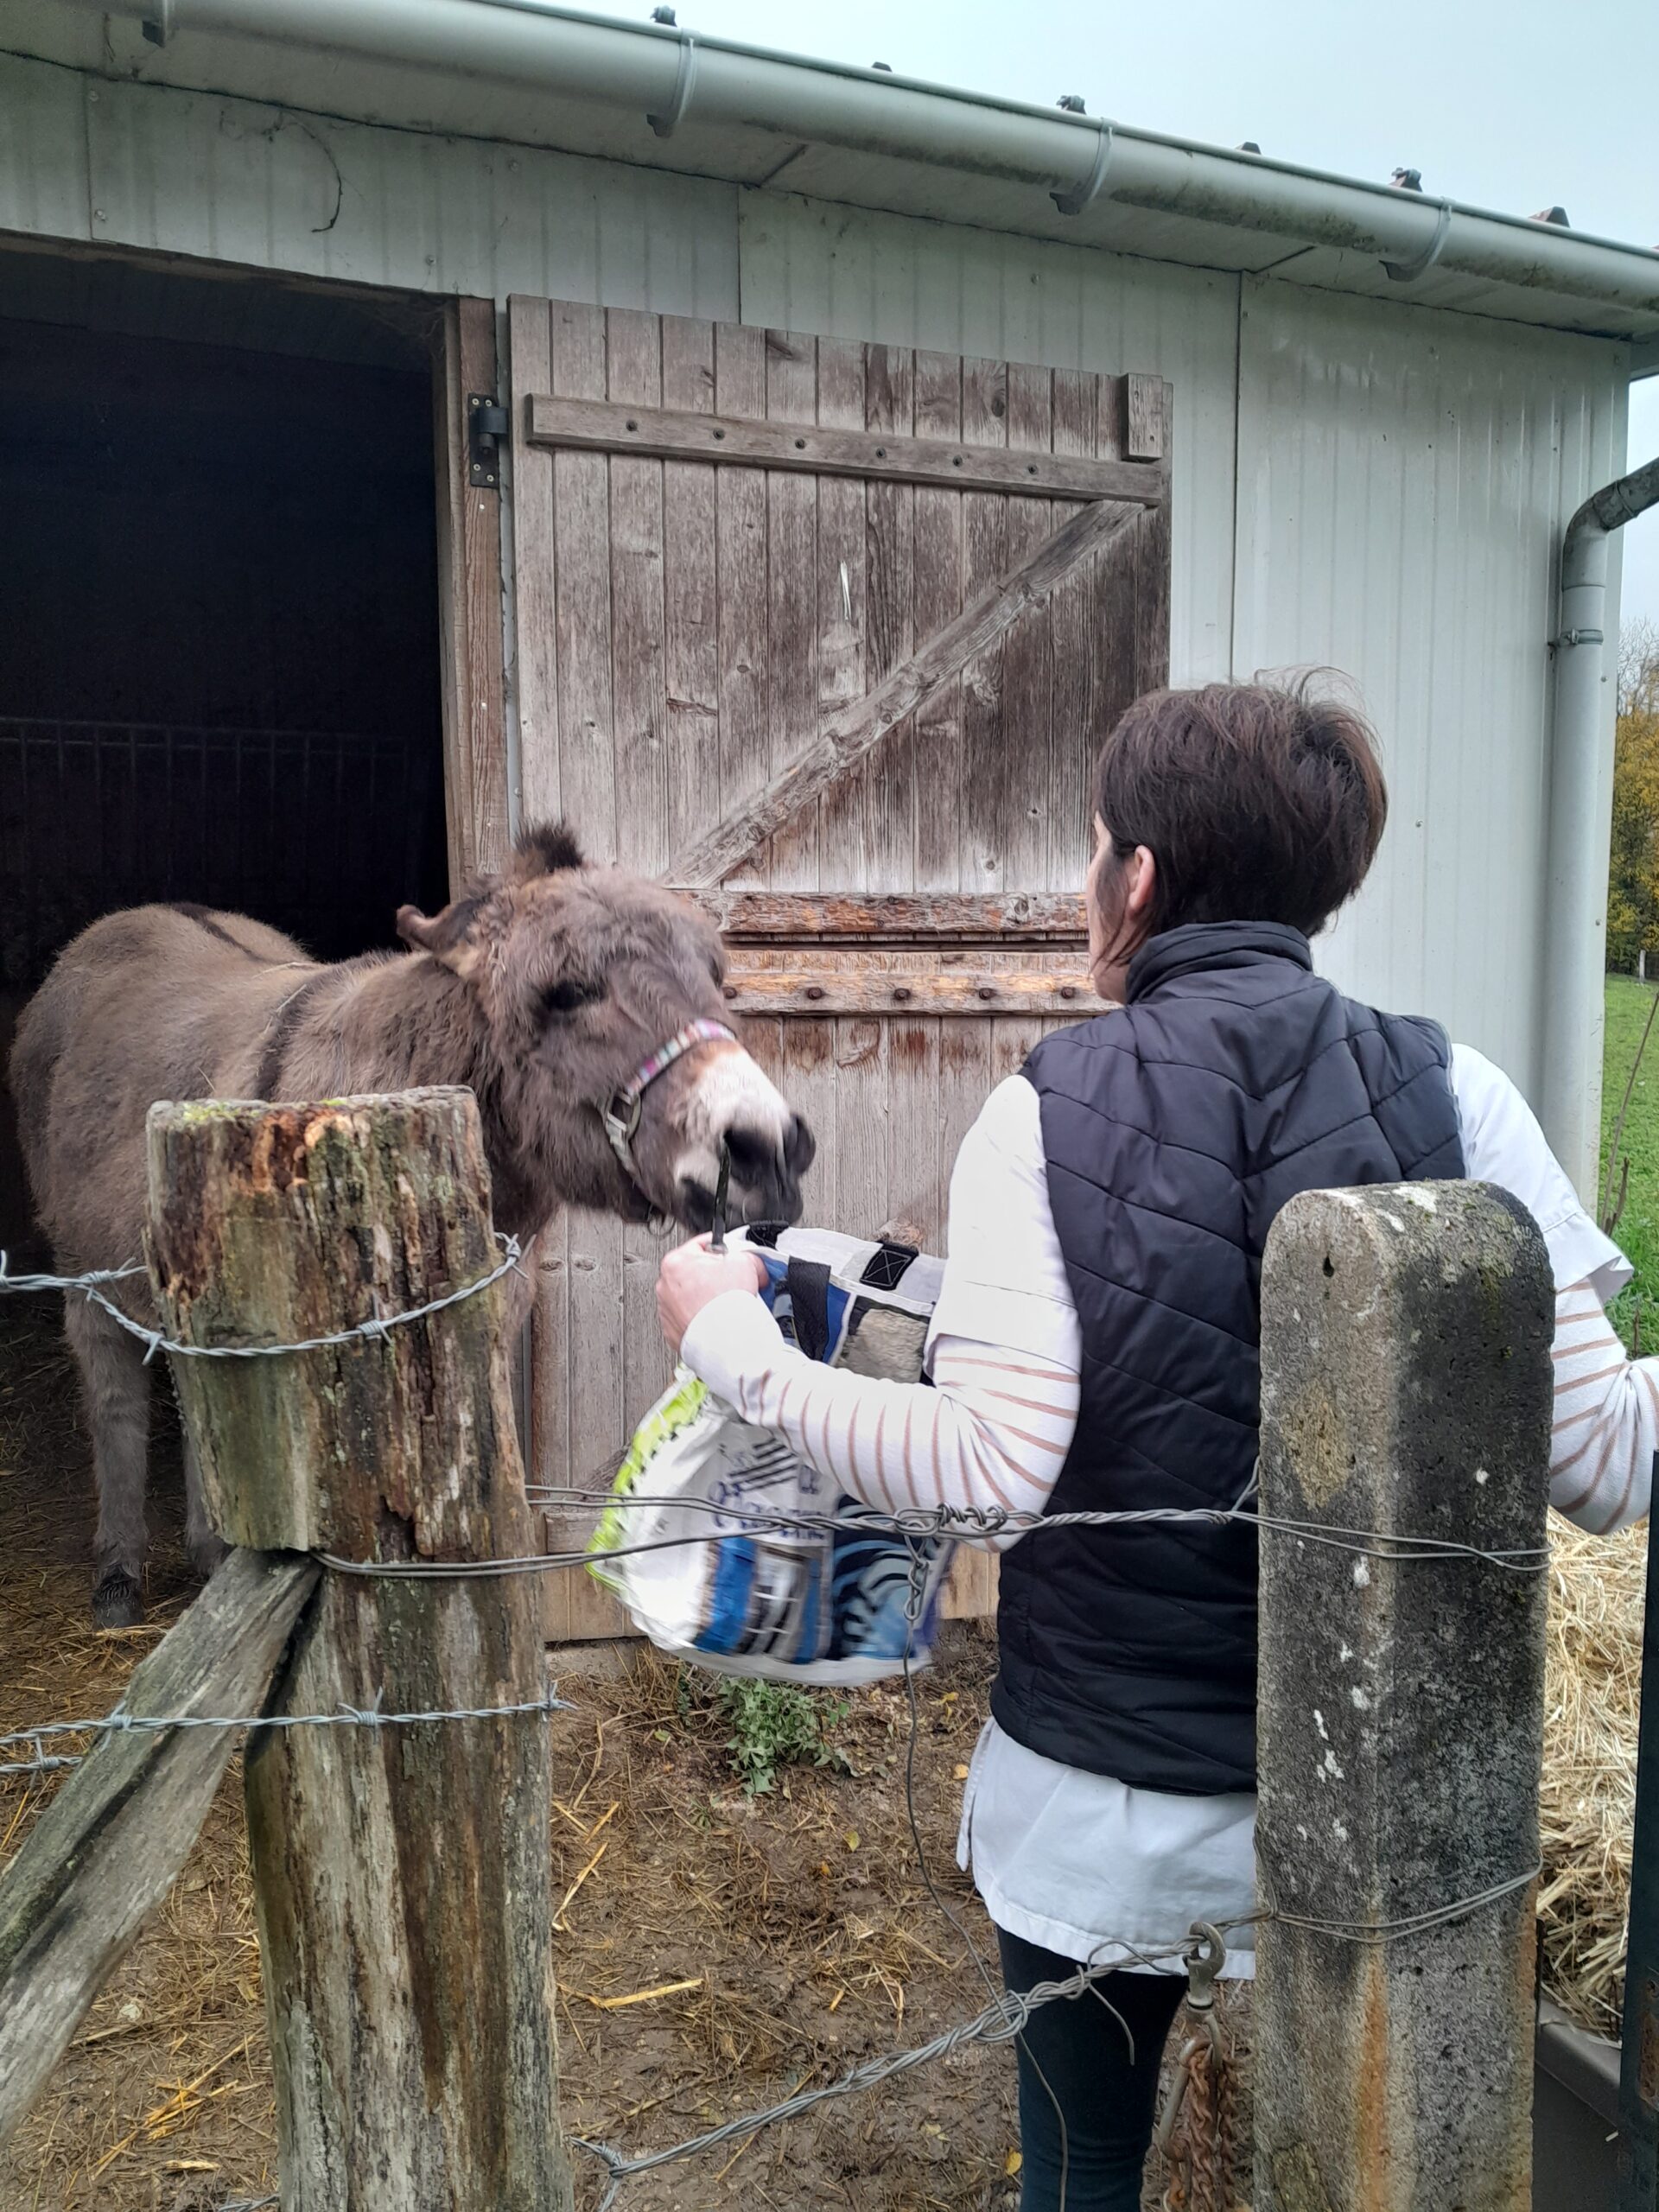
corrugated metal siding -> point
(1404, 476)
(842, 273)
(233, 181)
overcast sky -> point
(1514, 106)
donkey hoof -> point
(115, 1602)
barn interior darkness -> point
(219, 613)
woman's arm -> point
(1606, 1423)
(1607, 1418)
(993, 1432)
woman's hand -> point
(693, 1277)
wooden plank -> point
(808, 1081)
(469, 604)
(740, 558)
(888, 785)
(937, 601)
(861, 1204)
(582, 529)
(791, 591)
(104, 1851)
(810, 918)
(392, 1857)
(535, 570)
(843, 611)
(855, 731)
(734, 442)
(1072, 750)
(977, 990)
(1151, 555)
(912, 1132)
(1025, 779)
(1144, 418)
(690, 644)
(633, 364)
(633, 359)
(983, 825)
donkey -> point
(580, 1005)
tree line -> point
(1633, 871)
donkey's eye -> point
(566, 996)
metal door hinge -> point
(486, 425)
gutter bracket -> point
(1405, 272)
(670, 121)
(1076, 197)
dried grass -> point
(1591, 1702)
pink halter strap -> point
(621, 1115)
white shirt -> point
(1079, 1862)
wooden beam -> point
(469, 602)
(873, 918)
(856, 730)
(857, 989)
(104, 1852)
(601, 426)
(1145, 427)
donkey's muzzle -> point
(765, 1179)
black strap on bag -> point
(808, 1305)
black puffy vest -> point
(1174, 1128)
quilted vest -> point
(1174, 1128)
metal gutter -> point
(1575, 908)
(674, 79)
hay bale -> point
(1592, 1697)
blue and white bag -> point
(727, 1581)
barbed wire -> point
(963, 1524)
(89, 1287)
(121, 1723)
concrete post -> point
(1406, 1389)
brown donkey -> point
(580, 1005)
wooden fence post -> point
(402, 1872)
(1406, 1389)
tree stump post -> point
(402, 1872)
(1406, 1389)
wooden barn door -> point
(830, 635)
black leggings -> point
(1107, 2095)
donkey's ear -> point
(447, 937)
(543, 849)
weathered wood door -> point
(828, 633)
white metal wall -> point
(119, 163)
(1404, 476)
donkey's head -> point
(589, 986)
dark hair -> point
(1258, 803)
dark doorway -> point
(219, 613)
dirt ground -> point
(717, 1951)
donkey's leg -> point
(206, 1546)
(116, 1387)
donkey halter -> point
(621, 1114)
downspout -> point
(1575, 945)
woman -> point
(1095, 1348)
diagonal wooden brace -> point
(852, 732)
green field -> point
(1637, 1231)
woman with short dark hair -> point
(1095, 1348)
